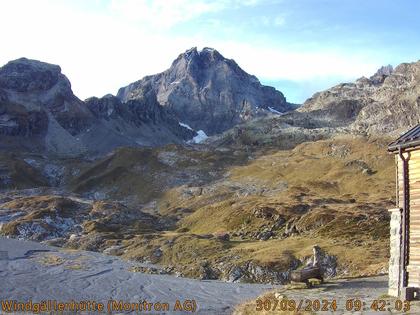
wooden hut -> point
(404, 265)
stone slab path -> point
(30, 270)
(37, 272)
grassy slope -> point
(145, 174)
(335, 193)
(346, 208)
(16, 174)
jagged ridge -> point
(210, 92)
(386, 103)
(39, 112)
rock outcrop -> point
(142, 121)
(210, 93)
(38, 107)
(386, 103)
(202, 89)
(40, 113)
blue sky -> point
(298, 46)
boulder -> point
(327, 263)
(223, 236)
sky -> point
(298, 46)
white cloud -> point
(163, 13)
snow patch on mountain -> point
(273, 110)
(200, 137)
(185, 126)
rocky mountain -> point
(38, 108)
(39, 112)
(142, 121)
(386, 103)
(208, 91)
(246, 207)
(202, 89)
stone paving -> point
(33, 271)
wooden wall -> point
(413, 267)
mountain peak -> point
(208, 49)
(381, 74)
(384, 70)
(386, 103)
(207, 54)
(25, 75)
(194, 50)
(210, 54)
(31, 63)
(190, 52)
(39, 110)
(208, 91)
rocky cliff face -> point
(39, 112)
(38, 108)
(386, 103)
(202, 90)
(142, 121)
(208, 91)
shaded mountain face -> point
(142, 121)
(208, 91)
(39, 112)
(386, 103)
(202, 90)
(42, 90)
(38, 109)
